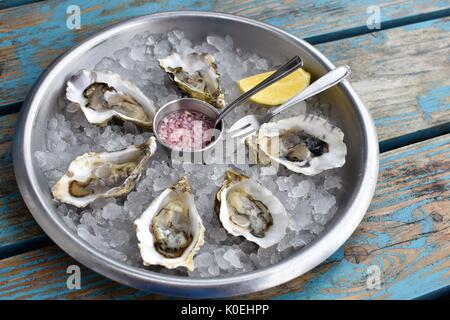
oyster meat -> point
(304, 144)
(248, 209)
(170, 231)
(102, 175)
(196, 75)
(105, 95)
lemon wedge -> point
(278, 92)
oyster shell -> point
(170, 231)
(304, 144)
(105, 95)
(102, 175)
(196, 75)
(256, 155)
(248, 209)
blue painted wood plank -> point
(433, 103)
(384, 25)
(49, 265)
(402, 75)
(405, 234)
(4, 4)
(377, 59)
(43, 25)
(16, 223)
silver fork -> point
(251, 123)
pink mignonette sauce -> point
(185, 130)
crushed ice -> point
(108, 224)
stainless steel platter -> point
(360, 170)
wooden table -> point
(402, 73)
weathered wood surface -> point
(406, 233)
(33, 35)
(49, 266)
(4, 4)
(401, 74)
(16, 223)
(420, 99)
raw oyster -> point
(196, 75)
(102, 175)
(248, 209)
(304, 144)
(170, 231)
(104, 95)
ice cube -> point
(112, 211)
(232, 256)
(204, 259)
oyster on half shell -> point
(248, 209)
(304, 144)
(196, 75)
(105, 95)
(170, 231)
(102, 175)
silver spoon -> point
(191, 104)
(251, 123)
(289, 67)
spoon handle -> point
(282, 72)
(328, 80)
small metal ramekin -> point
(189, 104)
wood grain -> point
(402, 75)
(403, 95)
(49, 265)
(33, 35)
(4, 4)
(16, 223)
(406, 233)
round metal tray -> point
(360, 170)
